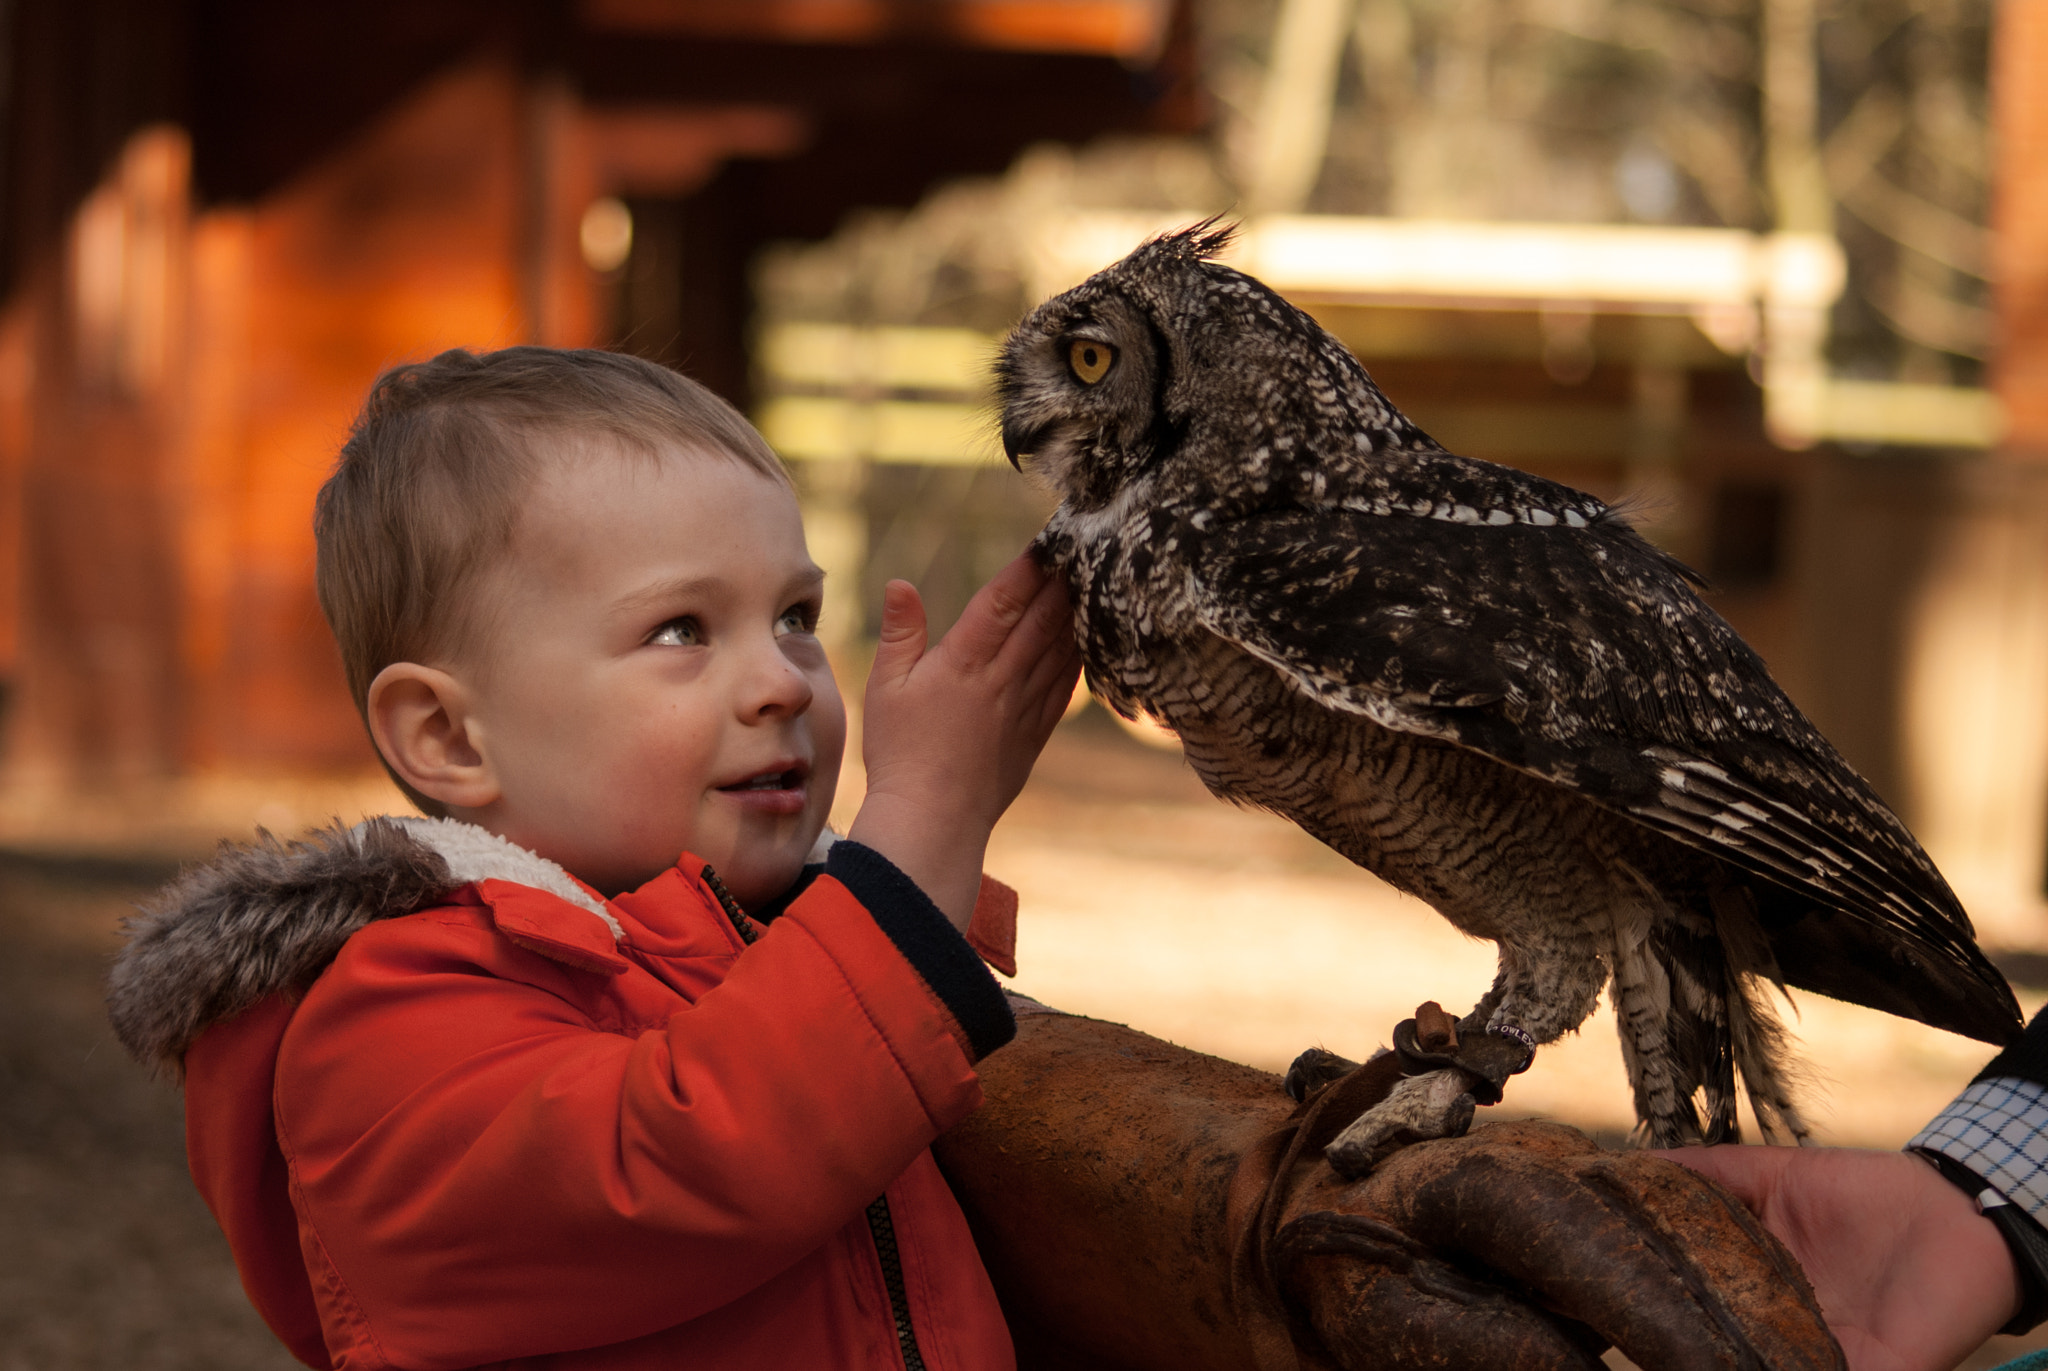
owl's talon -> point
(1313, 1070)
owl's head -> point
(1109, 382)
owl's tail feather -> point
(1670, 1000)
(1696, 1032)
(1685, 1066)
(1771, 1071)
(1693, 997)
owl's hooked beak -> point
(1021, 440)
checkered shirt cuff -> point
(1998, 1129)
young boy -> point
(596, 1068)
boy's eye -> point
(676, 633)
(798, 619)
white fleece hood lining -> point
(477, 854)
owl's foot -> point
(1437, 1104)
(1445, 1079)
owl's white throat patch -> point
(1090, 526)
(1057, 459)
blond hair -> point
(429, 486)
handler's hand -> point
(1910, 1276)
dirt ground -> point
(1144, 901)
(107, 1257)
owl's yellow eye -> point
(1090, 360)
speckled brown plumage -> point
(1479, 684)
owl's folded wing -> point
(1581, 656)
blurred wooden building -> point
(222, 218)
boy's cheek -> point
(828, 723)
(824, 783)
(828, 745)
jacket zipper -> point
(748, 930)
(880, 1226)
(884, 1230)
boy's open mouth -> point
(778, 793)
(787, 778)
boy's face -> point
(647, 680)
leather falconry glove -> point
(1143, 1206)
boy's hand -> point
(951, 732)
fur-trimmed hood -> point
(270, 915)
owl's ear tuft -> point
(1197, 242)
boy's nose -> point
(774, 685)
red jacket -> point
(508, 1129)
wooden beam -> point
(2020, 224)
(1131, 29)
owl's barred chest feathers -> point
(1479, 684)
(1406, 807)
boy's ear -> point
(419, 718)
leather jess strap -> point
(1259, 1200)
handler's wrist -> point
(2025, 1240)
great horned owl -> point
(1481, 685)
